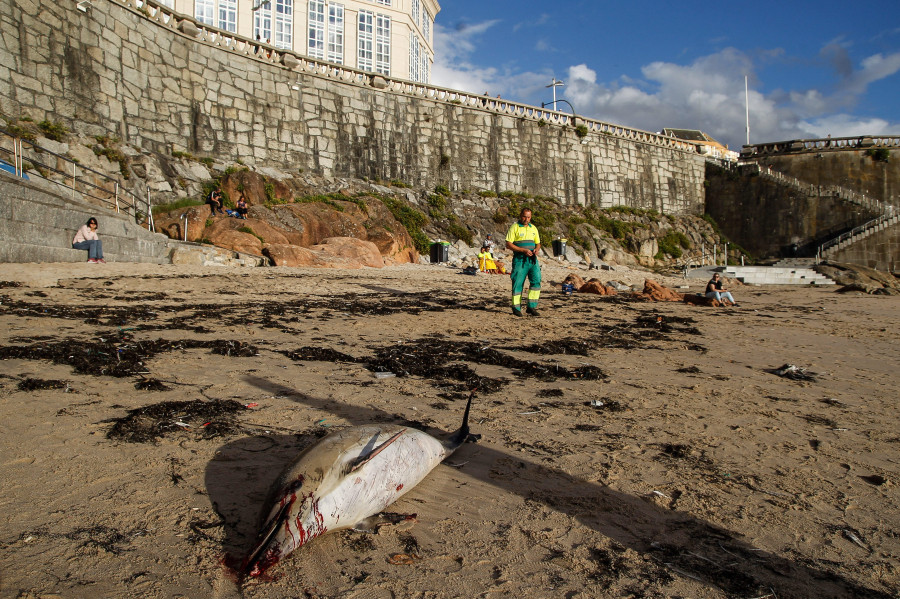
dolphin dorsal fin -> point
(363, 460)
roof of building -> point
(689, 135)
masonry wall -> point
(847, 168)
(880, 250)
(772, 220)
(114, 71)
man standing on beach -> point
(524, 241)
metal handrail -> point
(853, 233)
(118, 199)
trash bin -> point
(440, 251)
(559, 247)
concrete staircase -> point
(829, 248)
(37, 225)
(776, 275)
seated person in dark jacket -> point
(242, 208)
(215, 202)
(715, 290)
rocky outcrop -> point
(334, 252)
(654, 292)
(281, 217)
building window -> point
(316, 46)
(426, 67)
(416, 10)
(383, 44)
(205, 12)
(228, 15)
(284, 24)
(336, 33)
(426, 25)
(365, 41)
(383, 2)
(262, 23)
(415, 60)
(374, 39)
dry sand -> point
(702, 475)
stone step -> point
(774, 275)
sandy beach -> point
(627, 449)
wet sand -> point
(699, 473)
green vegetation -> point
(270, 194)
(184, 155)
(581, 131)
(542, 123)
(411, 219)
(330, 199)
(443, 190)
(53, 130)
(459, 231)
(445, 160)
(209, 222)
(399, 183)
(106, 147)
(207, 161)
(177, 205)
(672, 244)
(437, 201)
(487, 193)
(246, 229)
(879, 154)
(500, 217)
(21, 132)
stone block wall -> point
(769, 219)
(114, 70)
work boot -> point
(531, 311)
(517, 312)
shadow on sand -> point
(239, 477)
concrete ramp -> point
(37, 225)
(776, 275)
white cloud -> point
(453, 67)
(706, 94)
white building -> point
(391, 37)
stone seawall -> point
(114, 70)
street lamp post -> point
(554, 84)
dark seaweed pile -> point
(118, 355)
(150, 423)
(30, 384)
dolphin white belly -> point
(343, 479)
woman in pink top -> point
(86, 239)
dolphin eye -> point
(294, 486)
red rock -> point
(596, 286)
(701, 300)
(575, 280)
(364, 252)
(655, 292)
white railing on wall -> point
(293, 62)
(864, 142)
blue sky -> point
(815, 68)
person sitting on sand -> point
(87, 239)
(715, 291)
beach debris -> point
(384, 375)
(795, 373)
(146, 384)
(855, 539)
(401, 559)
(596, 403)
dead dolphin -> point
(346, 478)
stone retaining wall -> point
(163, 83)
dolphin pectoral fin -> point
(363, 460)
(373, 523)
